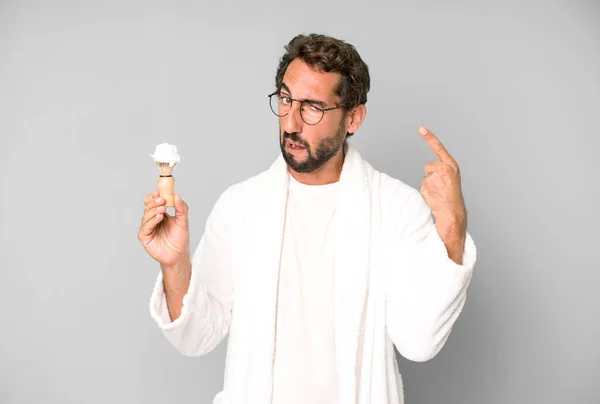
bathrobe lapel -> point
(263, 240)
(351, 269)
(263, 236)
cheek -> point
(323, 132)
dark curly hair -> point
(328, 54)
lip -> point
(288, 146)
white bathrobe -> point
(395, 284)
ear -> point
(355, 118)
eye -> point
(313, 107)
(285, 100)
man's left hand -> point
(441, 189)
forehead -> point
(306, 82)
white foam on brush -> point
(166, 153)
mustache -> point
(294, 138)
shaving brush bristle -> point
(165, 168)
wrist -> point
(183, 264)
(176, 278)
(453, 236)
(451, 222)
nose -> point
(292, 122)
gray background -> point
(87, 91)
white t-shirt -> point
(305, 363)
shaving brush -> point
(166, 158)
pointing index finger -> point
(435, 145)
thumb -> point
(181, 209)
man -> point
(318, 266)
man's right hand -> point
(165, 237)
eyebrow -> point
(318, 102)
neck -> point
(329, 173)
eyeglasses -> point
(310, 112)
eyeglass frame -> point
(301, 102)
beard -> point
(325, 150)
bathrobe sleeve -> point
(207, 306)
(426, 290)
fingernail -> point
(423, 130)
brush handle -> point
(166, 189)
